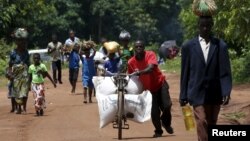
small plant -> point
(235, 115)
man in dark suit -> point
(206, 80)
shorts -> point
(73, 74)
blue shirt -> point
(112, 65)
(88, 67)
(16, 58)
(74, 60)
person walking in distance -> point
(144, 64)
(88, 69)
(74, 59)
(126, 51)
(206, 80)
(69, 43)
(55, 50)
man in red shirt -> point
(144, 64)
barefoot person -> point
(17, 72)
(74, 59)
(37, 73)
(88, 70)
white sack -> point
(134, 86)
(104, 85)
(98, 56)
(140, 105)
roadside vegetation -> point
(155, 21)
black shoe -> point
(169, 129)
(12, 110)
(130, 115)
(156, 135)
(41, 112)
(60, 82)
(37, 113)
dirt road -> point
(67, 118)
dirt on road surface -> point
(67, 118)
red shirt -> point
(151, 81)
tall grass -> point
(172, 66)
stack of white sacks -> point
(137, 101)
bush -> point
(4, 53)
(153, 47)
(241, 69)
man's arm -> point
(225, 72)
(94, 51)
(184, 76)
(148, 69)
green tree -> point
(154, 20)
(40, 17)
(231, 22)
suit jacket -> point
(201, 82)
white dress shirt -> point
(204, 47)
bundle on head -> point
(124, 35)
(88, 45)
(21, 33)
(204, 7)
(111, 46)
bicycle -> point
(120, 122)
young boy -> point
(88, 70)
(74, 59)
(38, 72)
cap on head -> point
(21, 33)
(124, 35)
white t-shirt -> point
(70, 42)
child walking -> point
(74, 59)
(38, 72)
(88, 70)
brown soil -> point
(67, 118)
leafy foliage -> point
(231, 22)
(152, 20)
(5, 50)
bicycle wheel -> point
(120, 113)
